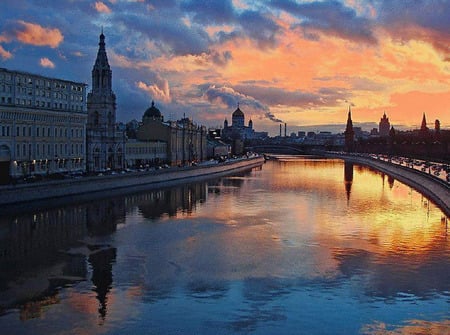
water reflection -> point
(284, 249)
(348, 178)
(43, 251)
(101, 262)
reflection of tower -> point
(349, 132)
(102, 217)
(101, 262)
(391, 181)
(348, 178)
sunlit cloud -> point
(102, 8)
(45, 62)
(34, 34)
(4, 53)
(156, 92)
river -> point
(298, 246)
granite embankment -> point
(436, 190)
(120, 183)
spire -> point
(349, 126)
(349, 132)
(101, 72)
(424, 123)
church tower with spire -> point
(105, 144)
(349, 133)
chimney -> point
(285, 129)
(280, 129)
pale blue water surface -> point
(300, 246)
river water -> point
(299, 246)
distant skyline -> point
(296, 62)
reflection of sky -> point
(281, 251)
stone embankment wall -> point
(436, 190)
(132, 182)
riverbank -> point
(133, 182)
(431, 187)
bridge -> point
(278, 149)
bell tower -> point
(101, 101)
(104, 142)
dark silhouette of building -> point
(384, 126)
(349, 133)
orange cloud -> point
(5, 54)
(102, 8)
(45, 62)
(156, 92)
(31, 33)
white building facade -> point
(42, 125)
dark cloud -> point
(329, 17)
(231, 98)
(278, 96)
(210, 11)
(171, 35)
(425, 20)
(259, 27)
(432, 14)
(222, 58)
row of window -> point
(24, 131)
(43, 104)
(42, 93)
(146, 150)
(47, 118)
(42, 151)
(41, 82)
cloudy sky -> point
(299, 62)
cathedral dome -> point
(238, 113)
(152, 112)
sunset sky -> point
(299, 62)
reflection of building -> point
(348, 178)
(105, 143)
(42, 125)
(155, 204)
(31, 243)
(101, 262)
(183, 141)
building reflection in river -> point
(348, 178)
(32, 259)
